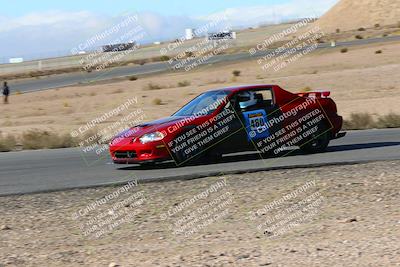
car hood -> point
(152, 126)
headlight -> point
(151, 137)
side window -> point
(264, 97)
(252, 99)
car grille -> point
(125, 154)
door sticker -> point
(256, 126)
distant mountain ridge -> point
(353, 14)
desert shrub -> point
(189, 54)
(36, 139)
(385, 35)
(359, 121)
(164, 58)
(344, 50)
(361, 29)
(133, 78)
(157, 101)
(377, 25)
(183, 84)
(390, 120)
(236, 73)
(359, 37)
(337, 30)
(7, 143)
(217, 81)
(152, 86)
(305, 89)
(66, 105)
(117, 91)
(378, 52)
(92, 94)
(140, 62)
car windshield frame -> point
(197, 105)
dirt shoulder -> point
(333, 216)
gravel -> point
(328, 216)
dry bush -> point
(164, 58)
(217, 81)
(152, 86)
(377, 25)
(390, 120)
(140, 62)
(236, 73)
(378, 52)
(157, 101)
(359, 121)
(337, 30)
(37, 139)
(189, 54)
(7, 143)
(305, 89)
(344, 50)
(133, 78)
(183, 84)
(117, 91)
(359, 37)
(361, 29)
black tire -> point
(318, 141)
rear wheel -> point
(318, 142)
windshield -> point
(204, 104)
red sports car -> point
(263, 118)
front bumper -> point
(139, 153)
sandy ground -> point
(369, 13)
(331, 216)
(360, 81)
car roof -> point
(234, 89)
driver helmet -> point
(246, 99)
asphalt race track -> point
(48, 170)
(63, 80)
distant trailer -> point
(118, 47)
(221, 36)
(16, 60)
